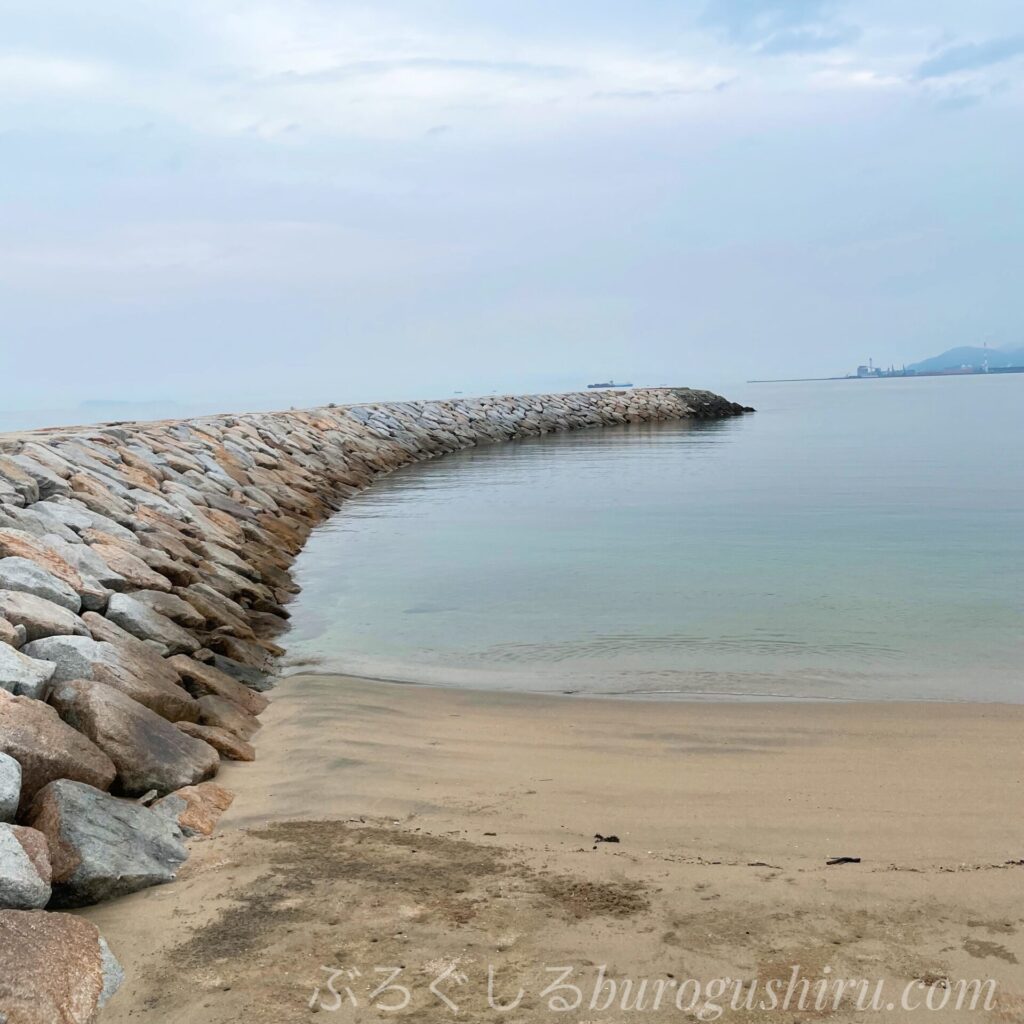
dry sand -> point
(389, 826)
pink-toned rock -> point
(177, 572)
(138, 574)
(227, 744)
(12, 635)
(196, 809)
(19, 544)
(203, 680)
(47, 748)
(54, 969)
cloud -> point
(971, 57)
(775, 27)
(808, 40)
(25, 73)
(516, 68)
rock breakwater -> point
(144, 574)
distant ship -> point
(609, 384)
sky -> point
(285, 202)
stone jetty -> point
(144, 577)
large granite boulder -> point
(26, 576)
(220, 611)
(24, 868)
(171, 606)
(251, 677)
(257, 654)
(47, 748)
(19, 544)
(143, 622)
(163, 565)
(38, 523)
(80, 657)
(10, 787)
(48, 482)
(202, 680)
(144, 657)
(80, 517)
(131, 568)
(148, 751)
(88, 562)
(102, 846)
(227, 744)
(54, 969)
(195, 809)
(21, 482)
(22, 674)
(226, 714)
(39, 616)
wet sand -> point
(399, 826)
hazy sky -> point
(296, 201)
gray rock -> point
(251, 677)
(77, 516)
(24, 868)
(113, 973)
(147, 750)
(144, 657)
(172, 607)
(9, 498)
(22, 574)
(22, 675)
(143, 622)
(39, 616)
(20, 482)
(101, 846)
(76, 657)
(10, 787)
(39, 525)
(48, 481)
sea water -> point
(854, 539)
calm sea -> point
(852, 540)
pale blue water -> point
(850, 540)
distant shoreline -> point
(994, 371)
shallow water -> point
(852, 540)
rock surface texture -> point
(24, 868)
(102, 846)
(54, 969)
(144, 574)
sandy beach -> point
(388, 828)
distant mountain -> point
(969, 355)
